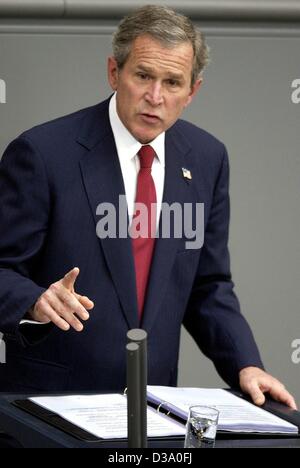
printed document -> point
(236, 414)
(105, 416)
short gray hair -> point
(165, 25)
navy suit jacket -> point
(52, 179)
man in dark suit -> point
(54, 177)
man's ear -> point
(194, 90)
(113, 73)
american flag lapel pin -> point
(186, 173)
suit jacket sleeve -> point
(24, 214)
(213, 314)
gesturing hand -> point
(61, 305)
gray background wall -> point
(53, 60)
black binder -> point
(55, 420)
(69, 428)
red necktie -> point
(144, 244)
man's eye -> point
(143, 76)
(173, 83)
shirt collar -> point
(127, 145)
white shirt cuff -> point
(33, 322)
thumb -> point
(69, 279)
(257, 396)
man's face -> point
(153, 87)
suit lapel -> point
(103, 182)
(176, 189)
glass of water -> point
(201, 427)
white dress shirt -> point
(127, 148)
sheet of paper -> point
(235, 414)
(105, 416)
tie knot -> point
(146, 155)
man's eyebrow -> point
(173, 75)
(145, 69)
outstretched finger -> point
(69, 279)
(282, 395)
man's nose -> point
(154, 95)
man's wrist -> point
(29, 314)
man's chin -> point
(145, 137)
(145, 134)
